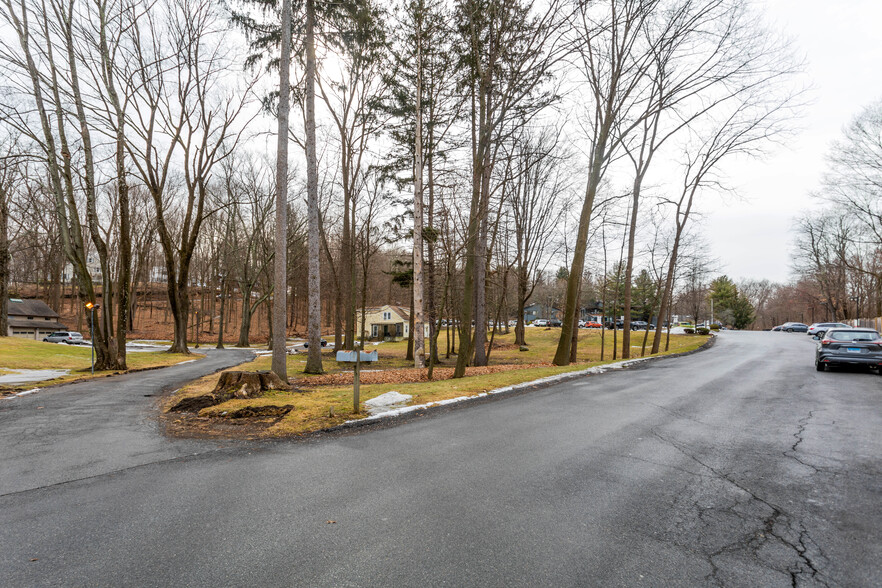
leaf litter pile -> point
(410, 375)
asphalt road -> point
(96, 427)
(737, 466)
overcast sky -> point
(752, 235)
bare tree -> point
(511, 52)
(314, 333)
(280, 267)
(743, 127)
(183, 109)
(822, 252)
(612, 59)
(10, 176)
(697, 50)
(34, 72)
(419, 350)
(536, 182)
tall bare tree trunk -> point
(280, 263)
(562, 355)
(419, 347)
(4, 262)
(124, 306)
(314, 357)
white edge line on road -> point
(546, 380)
(188, 361)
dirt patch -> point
(410, 375)
(269, 411)
(190, 425)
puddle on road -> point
(11, 376)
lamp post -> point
(91, 308)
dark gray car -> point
(794, 327)
(849, 347)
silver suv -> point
(69, 337)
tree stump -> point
(233, 384)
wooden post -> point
(356, 380)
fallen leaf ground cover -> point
(326, 400)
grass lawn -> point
(318, 407)
(17, 353)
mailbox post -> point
(355, 358)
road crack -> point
(777, 524)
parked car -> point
(849, 347)
(794, 328)
(68, 337)
(554, 323)
(540, 323)
(818, 329)
(778, 328)
(639, 325)
(592, 325)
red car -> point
(591, 325)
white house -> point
(387, 323)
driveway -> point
(737, 466)
(96, 427)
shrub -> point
(702, 331)
(715, 327)
(689, 331)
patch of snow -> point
(188, 361)
(25, 376)
(26, 392)
(387, 402)
(145, 347)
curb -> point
(430, 407)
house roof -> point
(44, 325)
(30, 307)
(401, 311)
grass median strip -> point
(25, 354)
(321, 402)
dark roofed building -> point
(32, 319)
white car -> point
(68, 337)
(818, 329)
(541, 323)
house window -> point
(387, 316)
